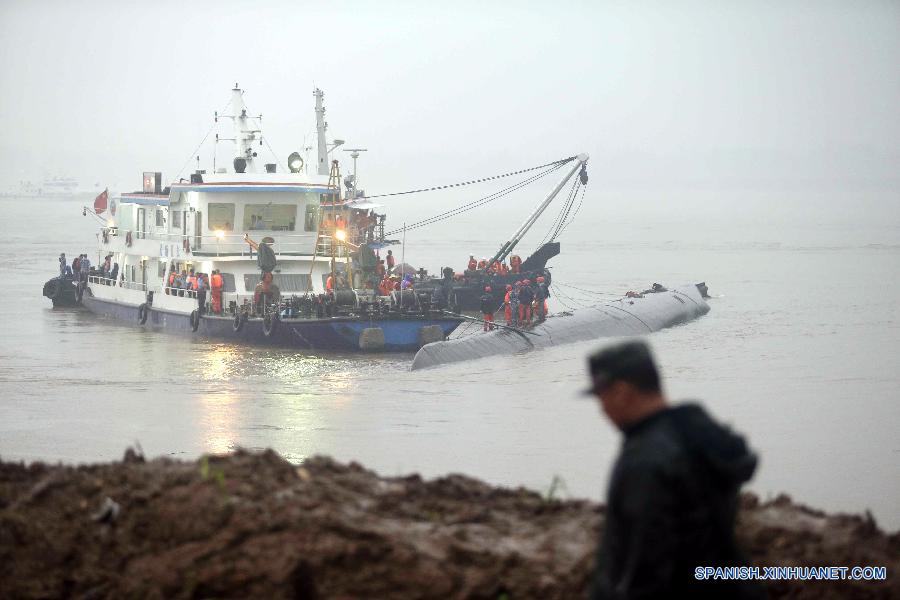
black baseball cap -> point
(630, 361)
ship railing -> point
(180, 292)
(130, 285)
(234, 244)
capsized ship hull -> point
(338, 333)
(628, 316)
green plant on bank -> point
(217, 474)
(557, 484)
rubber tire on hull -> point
(195, 320)
(143, 312)
(269, 325)
(238, 323)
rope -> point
(477, 203)
(558, 163)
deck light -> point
(340, 235)
(220, 234)
(110, 223)
(295, 162)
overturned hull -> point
(628, 316)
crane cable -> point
(481, 201)
(557, 163)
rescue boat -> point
(217, 220)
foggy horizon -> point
(748, 96)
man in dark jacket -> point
(673, 491)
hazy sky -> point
(667, 95)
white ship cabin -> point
(200, 224)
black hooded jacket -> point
(671, 508)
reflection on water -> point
(218, 422)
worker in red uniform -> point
(473, 264)
(487, 309)
(526, 297)
(504, 270)
(192, 281)
(515, 261)
(507, 309)
(215, 285)
(389, 259)
(329, 284)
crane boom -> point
(508, 247)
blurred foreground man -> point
(673, 491)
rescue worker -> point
(545, 292)
(192, 281)
(202, 286)
(171, 282)
(389, 260)
(380, 270)
(473, 264)
(504, 270)
(482, 264)
(62, 264)
(526, 297)
(329, 285)
(76, 267)
(266, 292)
(515, 262)
(537, 308)
(487, 309)
(216, 284)
(507, 308)
(514, 302)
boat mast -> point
(321, 126)
(508, 247)
(244, 136)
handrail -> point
(130, 285)
(180, 292)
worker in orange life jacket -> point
(487, 309)
(526, 297)
(215, 285)
(473, 264)
(192, 281)
(507, 309)
(482, 264)
(171, 279)
(504, 270)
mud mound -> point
(253, 525)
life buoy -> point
(186, 245)
(238, 323)
(270, 324)
(143, 312)
(128, 239)
(195, 320)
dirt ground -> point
(253, 525)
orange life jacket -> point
(192, 282)
(215, 282)
(329, 284)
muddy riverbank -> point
(254, 525)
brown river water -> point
(801, 352)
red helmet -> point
(487, 288)
(540, 280)
(508, 287)
(527, 282)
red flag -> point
(100, 202)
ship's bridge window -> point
(160, 220)
(311, 222)
(176, 219)
(270, 217)
(286, 282)
(220, 216)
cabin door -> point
(141, 223)
(198, 229)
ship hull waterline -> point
(334, 334)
